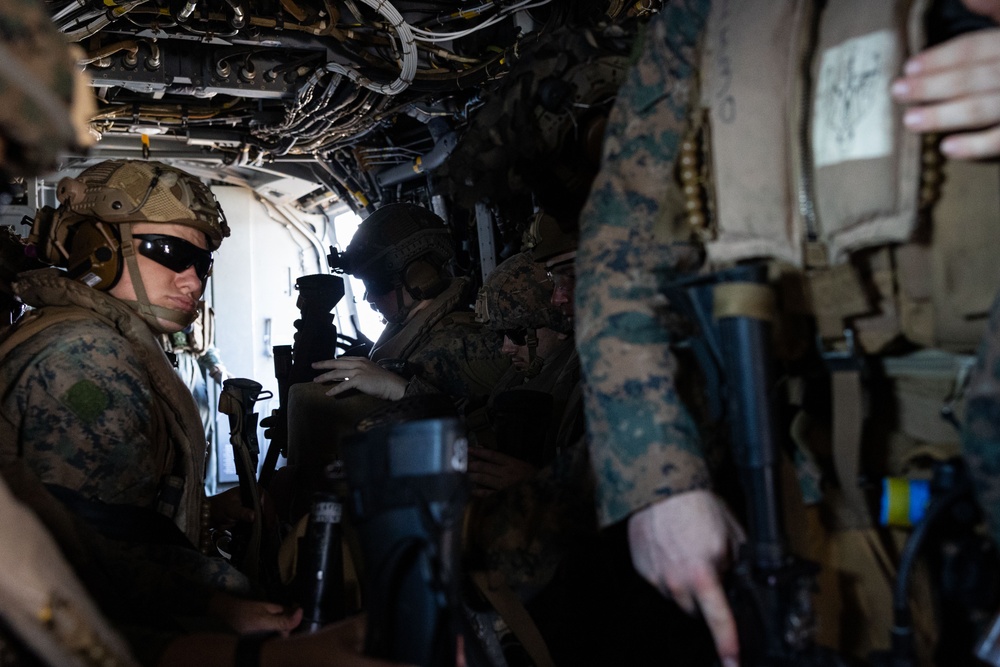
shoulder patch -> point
(86, 400)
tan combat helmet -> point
(90, 234)
(46, 100)
(549, 241)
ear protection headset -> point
(423, 280)
(94, 257)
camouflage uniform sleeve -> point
(643, 440)
(525, 530)
(461, 360)
(82, 406)
(981, 429)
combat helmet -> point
(90, 234)
(399, 246)
(517, 295)
(46, 100)
(549, 241)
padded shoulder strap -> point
(36, 321)
(27, 327)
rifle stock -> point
(237, 401)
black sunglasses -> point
(516, 336)
(175, 253)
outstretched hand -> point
(362, 374)
(490, 470)
(681, 546)
(955, 88)
(253, 616)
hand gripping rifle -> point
(237, 401)
(770, 588)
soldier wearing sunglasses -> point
(92, 408)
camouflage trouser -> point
(981, 429)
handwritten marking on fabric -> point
(853, 112)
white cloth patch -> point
(853, 111)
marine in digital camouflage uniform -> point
(401, 253)
(48, 616)
(645, 443)
(643, 440)
(91, 406)
(515, 299)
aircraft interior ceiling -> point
(476, 109)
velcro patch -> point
(86, 400)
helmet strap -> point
(402, 310)
(535, 362)
(150, 313)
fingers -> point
(486, 454)
(973, 79)
(340, 386)
(972, 145)
(978, 46)
(966, 112)
(341, 368)
(711, 600)
(285, 621)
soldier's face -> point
(518, 353)
(548, 341)
(564, 286)
(164, 287)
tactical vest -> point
(807, 163)
(176, 417)
(798, 156)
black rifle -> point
(316, 339)
(770, 589)
(237, 401)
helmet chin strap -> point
(150, 313)
(402, 310)
(535, 362)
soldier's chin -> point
(166, 326)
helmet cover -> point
(128, 191)
(517, 295)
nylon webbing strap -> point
(743, 300)
(506, 603)
(848, 426)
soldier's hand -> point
(361, 374)
(681, 545)
(252, 616)
(339, 644)
(490, 470)
(226, 509)
(955, 87)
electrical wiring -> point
(102, 21)
(422, 35)
(407, 53)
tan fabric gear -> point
(129, 191)
(46, 100)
